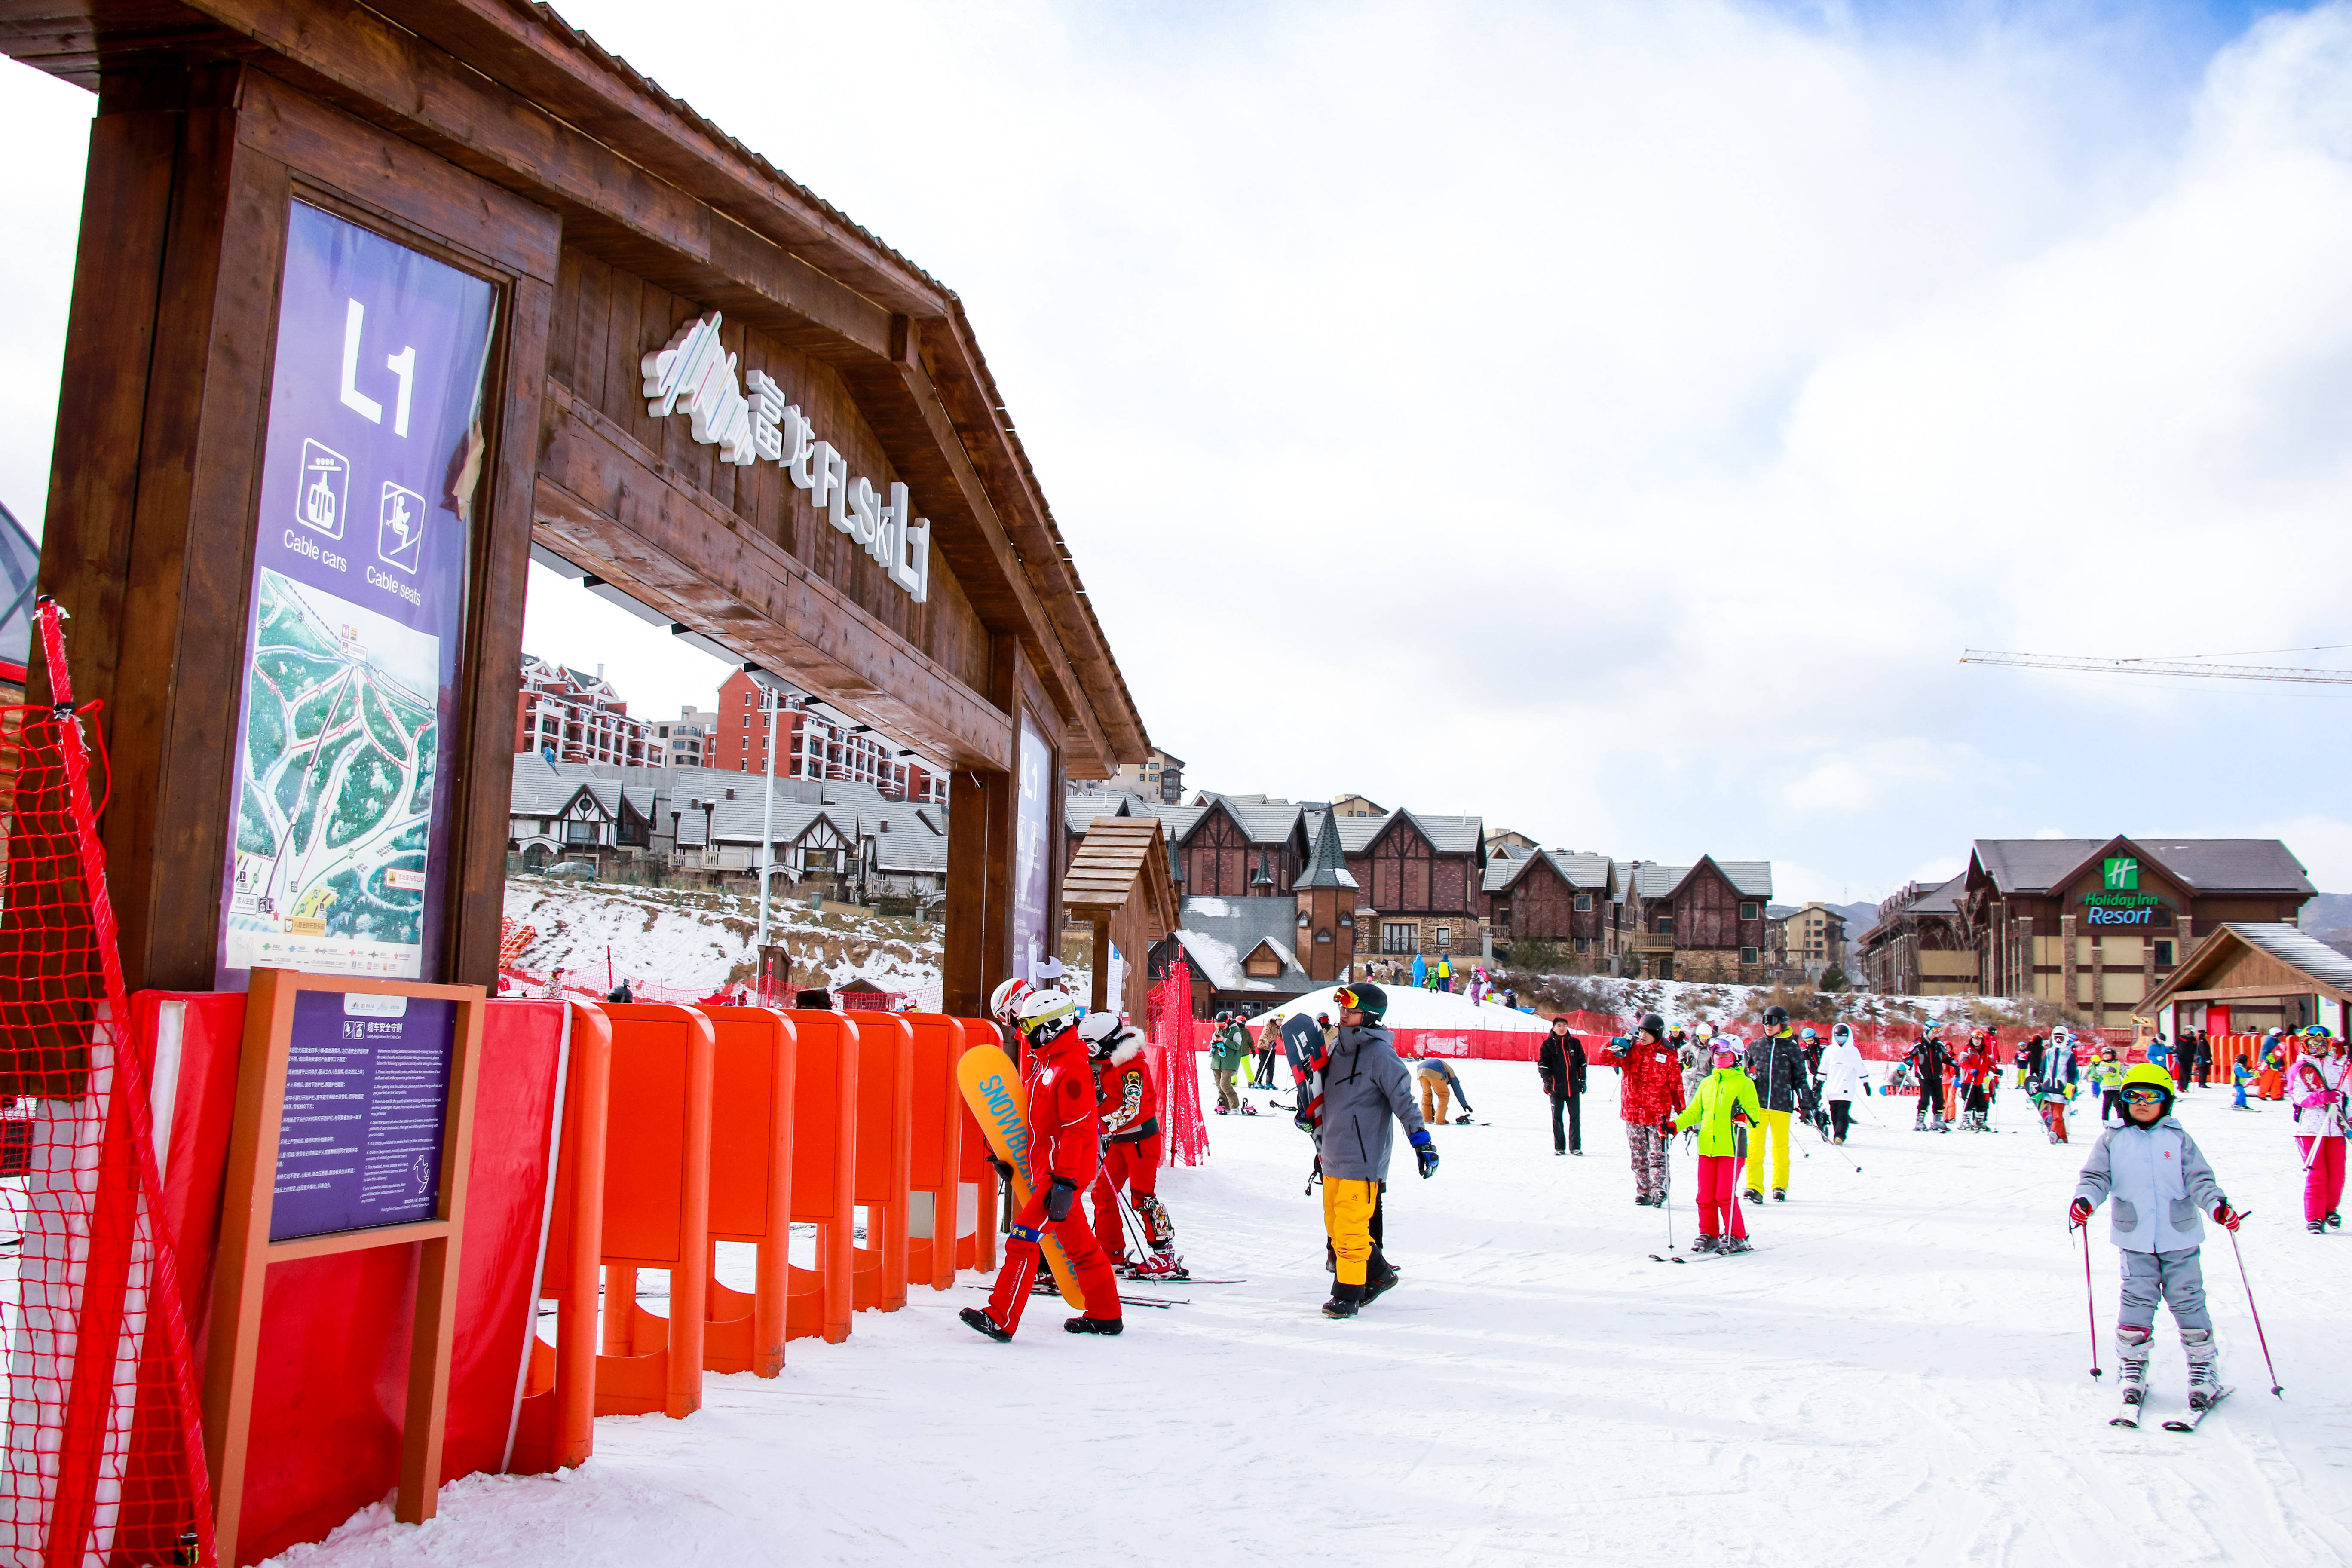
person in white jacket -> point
(1842, 1080)
(2157, 1185)
(2316, 1089)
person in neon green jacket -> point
(1724, 1096)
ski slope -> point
(1898, 1374)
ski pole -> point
(2275, 1391)
(2090, 1302)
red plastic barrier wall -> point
(328, 1395)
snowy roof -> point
(2205, 865)
(1080, 811)
(542, 788)
(1218, 933)
(903, 851)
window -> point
(580, 833)
(1396, 936)
(1664, 925)
(2164, 952)
(1445, 936)
(1747, 912)
(1747, 955)
(1583, 902)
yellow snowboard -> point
(991, 1086)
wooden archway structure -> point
(608, 220)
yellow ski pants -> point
(1347, 1221)
(1775, 1131)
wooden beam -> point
(605, 504)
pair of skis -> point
(2132, 1409)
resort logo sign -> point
(2119, 901)
(694, 374)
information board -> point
(1035, 818)
(347, 716)
(366, 1107)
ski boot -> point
(2335, 1220)
(1248, 1108)
(2204, 1371)
(1162, 1265)
(2316, 1226)
(1220, 1110)
(1780, 1195)
(979, 1319)
(1093, 1325)
(1753, 1195)
(1732, 1244)
(1346, 1301)
(2131, 1372)
(1706, 1244)
(1377, 1285)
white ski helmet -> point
(1005, 1006)
(1046, 1015)
(1103, 1032)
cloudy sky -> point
(1612, 419)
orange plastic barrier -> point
(555, 1426)
(754, 1055)
(885, 1096)
(657, 1208)
(936, 1166)
(977, 1250)
(823, 1171)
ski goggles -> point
(2144, 1094)
(1346, 999)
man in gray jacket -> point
(1364, 1088)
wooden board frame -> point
(247, 1252)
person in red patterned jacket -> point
(1129, 1103)
(1064, 1155)
(1649, 1094)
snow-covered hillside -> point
(1696, 1002)
(693, 941)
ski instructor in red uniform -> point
(1649, 1093)
(1064, 1155)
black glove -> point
(1059, 1197)
(1425, 1152)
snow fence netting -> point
(105, 1461)
(1168, 1045)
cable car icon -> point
(318, 499)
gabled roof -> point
(1260, 820)
(1081, 811)
(1123, 864)
(542, 788)
(1585, 873)
(1750, 878)
(1447, 834)
(1217, 935)
(2201, 865)
(2326, 970)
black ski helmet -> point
(1655, 1027)
(1775, 1016)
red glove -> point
(2078, 1214)
(2227, 1218)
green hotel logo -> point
(2121, 873)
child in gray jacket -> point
(2156, 1181)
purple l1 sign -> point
(367, 1102)
(347, 716)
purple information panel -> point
(367, 1099)
(348, 706)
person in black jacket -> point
(1930, 1064)
(1784, 1080)
(1561, 1064)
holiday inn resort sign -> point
(695, 375)
(2119, 901)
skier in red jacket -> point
(1650, 1092)
(1129, 1104)
(1064, 1155)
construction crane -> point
(2161, 666)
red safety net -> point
(105, 1458)
(1168, 1046)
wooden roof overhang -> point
(511, 93)
(2223, 954)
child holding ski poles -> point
(2156, 1180)
(1726, 1099)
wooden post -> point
(1101, 998)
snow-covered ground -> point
(1898, 1373)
